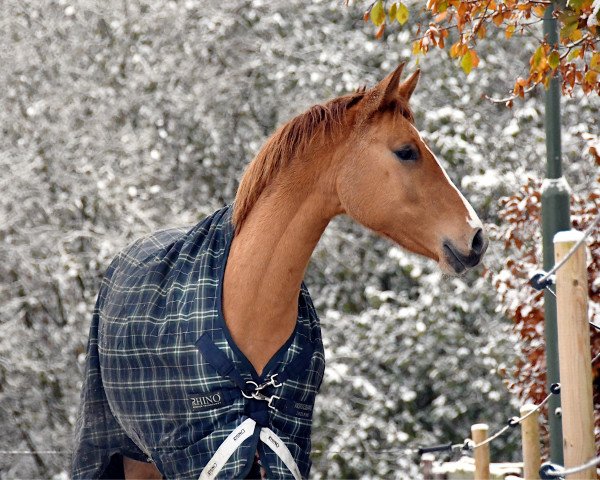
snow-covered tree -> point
(123, 117)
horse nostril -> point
(478, 242)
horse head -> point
(389, 180)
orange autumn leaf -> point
(498, 18)
(454, 50)
(576, 35)
(591, 76)
(439, 18)
(595, 62)
(416, 50)
(482, 31)
(474, 58)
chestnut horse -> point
(358, 155)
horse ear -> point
(408, 86)
(381, 94)
(388, 87)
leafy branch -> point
(575, 57)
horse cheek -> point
(366, 198)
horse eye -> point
(407, 153)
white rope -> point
(580, 468)
(492, 438)
(537, 407)
(586, 234)
(513, 422)
(517, 420)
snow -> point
(593, 17)
(568, 236)
(491, 178)
(559, 184)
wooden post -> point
(479, 433)
(530, 435)
(427, 466)
(574, 355)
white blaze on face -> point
(472, 219)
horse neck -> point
(268, 259)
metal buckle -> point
(274, 382)
(260, 396)
(265, 398)
(257, 395)
(270, 382)
(256, 389)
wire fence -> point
(539, 280)
(588, 231)
(551, 471)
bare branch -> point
(508, 99)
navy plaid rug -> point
(164, 380)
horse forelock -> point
(317, 125)
(398, 108)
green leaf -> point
(378, 13)
(466, 63)
(537, 58)
(554, 59)
(573, 53)
(568, 16)
(569, 27)
(575, 4)
(402, 14)
(392, 12)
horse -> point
(220, 312)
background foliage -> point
(461, 24)
(122, 117)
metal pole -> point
(555, 218)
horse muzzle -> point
(461, 262)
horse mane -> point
(291, 140)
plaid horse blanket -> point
(164, 381)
